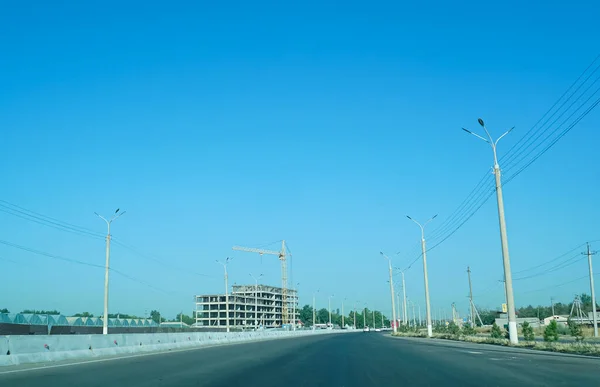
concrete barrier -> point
(16, 350)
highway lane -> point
(346, 360)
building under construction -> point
(250, 307)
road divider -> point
(16, 350)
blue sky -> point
(322, 124)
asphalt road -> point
(347, 360)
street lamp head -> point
(117, 210)
(381, 252)
(480, 122)
(409, 217)
(434, 216)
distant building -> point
(502, 319)
(250, 307)
(560, 320)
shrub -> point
(551, 331)
(575, 330)
(468, 330)
(496, 332)
(453, 328)
(528, 332)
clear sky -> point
(320, 123)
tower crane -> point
(282, 257)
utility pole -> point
(226, 291)
(255, 300)
(510, 300)
(295, 301)
(365, 317)
(552, 304)
(354, 319)
(391, 273)
(404, 295)
(107, 267)
(594, 317)
(471, 298)
(382, 321)
(314, 311)
(330, 326)
(374, 326)
(414, 316)
(419, 308)
(424, 253)
(343, 313)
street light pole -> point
(226, 292)
(255, 300)
(365, 317)
(330, 326)
(107, 267)
(343, 313)
(314, 311)
(295, 301)
(510, 300)
(424, 252)
(354, 319)
(391, 291)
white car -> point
(366, 329)
(377, 329)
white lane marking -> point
(475, 352)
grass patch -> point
(577, 348)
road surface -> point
(346, 360)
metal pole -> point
(471, 297)
(354, 319)
(404, 300)
(373, 312)
(330, 311)
(552, 304)
(424, 253)
(510, 300)
(106, 270)
(226, 292)
(594, 318)
(365, 317)
(391, 292)
(295, 301)
(314, 310)
(107, 267)
(420, 321)
(343, 313)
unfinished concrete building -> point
(250, 307)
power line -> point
(523, 141)
(561, 135)
(561, 265)
(52, 256)
(550, 261)
(47, 221)
(556, 286)
(155, 259)
(477, 197)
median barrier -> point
(23, 349)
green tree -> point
(31, 311)
(528, 331)
(496, 331)
(4, 310)
(453, 328)
(155, 316)
(575, 329)
(84, 314)
(468, 330)
(184, 318)
(551, 331)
